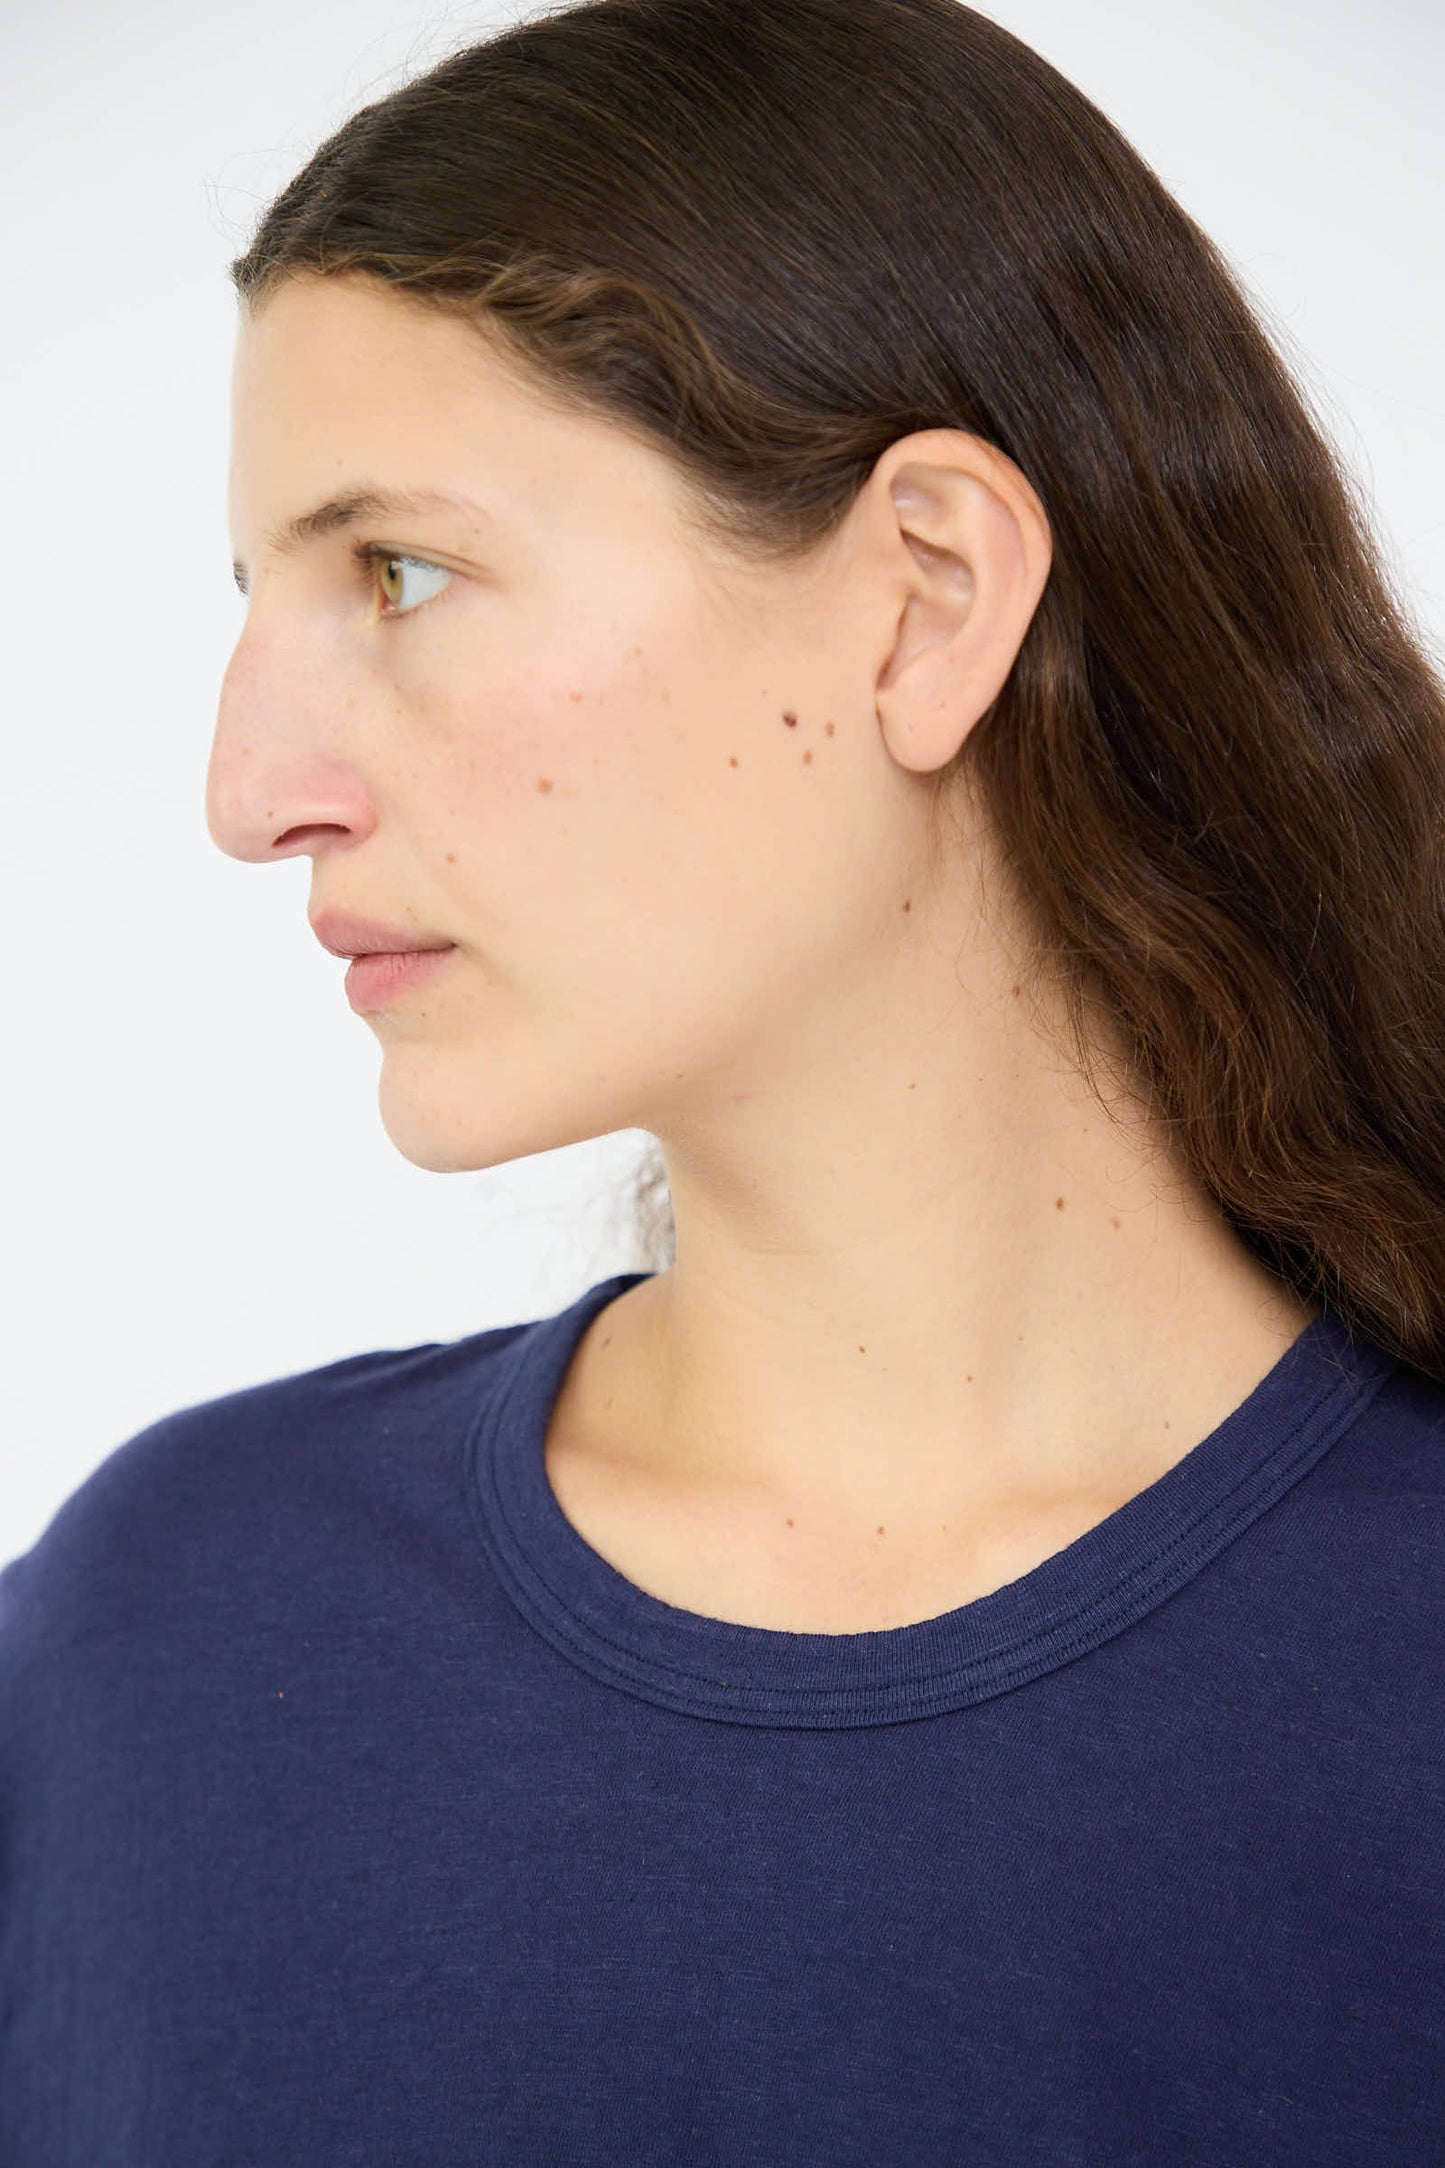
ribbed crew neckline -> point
(1096, 1586)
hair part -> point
(771, 241)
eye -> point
(390, 567)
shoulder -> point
(1365, 1531)
(176, 1516)
(1389, 1464)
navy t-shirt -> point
(353, 1809)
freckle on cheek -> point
(732, 760)
(828, 727)
(543, 784)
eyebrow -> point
(366, 501)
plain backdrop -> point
(198, 1189)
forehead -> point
(343, 378)
(332, 372)
(344, 341)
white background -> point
(198, 1190)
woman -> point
(793, 606)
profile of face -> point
(669, 809)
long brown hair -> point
(774, 239)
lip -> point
(381, 977)
(346, 935)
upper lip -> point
(346, 935)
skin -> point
(934, 1312)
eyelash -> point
(369, 554)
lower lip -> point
(372, 981)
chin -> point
(422, 1133)
(440, 1148)
(442, 1139)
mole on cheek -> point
(790, 719)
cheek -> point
(593, 736)
(542, 799)
(637, 805)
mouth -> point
(343, 933)
(378, 977)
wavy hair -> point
(774, 239)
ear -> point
(966, 550)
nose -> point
(277, 784)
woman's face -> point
(641, 790)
